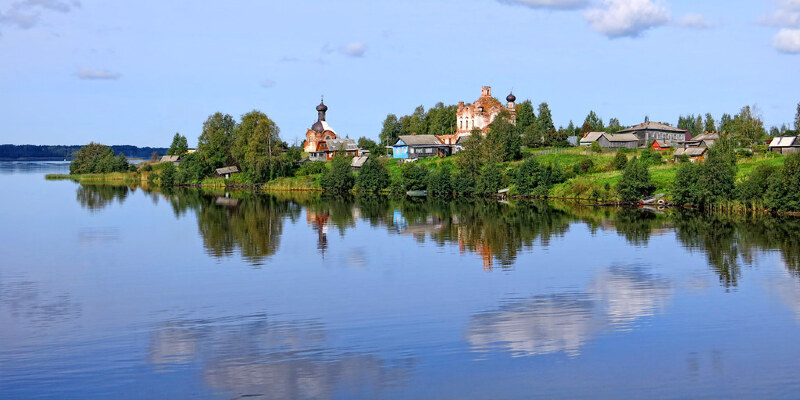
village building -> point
(320, 131)
(590, 138)
(419, 146)
(226, 172)
(618, 140)
(706, 140)
(651, 131)
(784, 144)
(357, 162)
(694, 153)
(482, 112)
(662, 145)
(327, 149)
(175, 160)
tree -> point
(257, 146)
(635, 182)
(717, 179)
(414, 177)
(685, 190)
(179, 145)
(167, 175)
(154, 156)
(490, 180)
(613, 126)
(783, 194)
(525, 115)
(620, 160)
(710, 125)
(369, 144)
(545, 119)
(747, 128)
(471, 158)
(595, 122)
(725, 123)
(439, 182)
(96, 158)
(441, 119)
(338, 178)
(534, 179)
(215, 142)
(372, 177)
(391, 130)
(797, 119)
(503, 142)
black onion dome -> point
(322, 107)
(511, 98)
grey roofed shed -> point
(783, 141)
(358, 162)
(620, 137)
(172, 159)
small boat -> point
(417, 193)
(657, 199)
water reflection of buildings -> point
(252, 355)
(564, 322)
(319, 221)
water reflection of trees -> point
(97, 197)
(253, 224)
(257, 355)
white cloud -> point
(355, 49)
(787, 17)
(694, 21)
(267, 83)
(550, 4)
(787, 41)
(26, 14)
(102, 74)
(621, 18)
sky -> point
(138, 72)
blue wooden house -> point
(419, 146)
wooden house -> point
(659, 145)
(420, 146)
(175, 160)
(652, 131)
(618, 140)
(327, 149)
(590, 138)
(784, 144)
(694, 153)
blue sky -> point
(137, 72)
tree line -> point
(61, 152)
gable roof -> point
(621, 137)
(341, 144)
(420, 140)
(170, 158)
(691, 151)
(358, 162)
(705, 136)
(227, 170)
(783, 141)
(591, 137)
(656, 126)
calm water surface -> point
(117, 292)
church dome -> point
(322, 107)
(511, 98)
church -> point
(320, 131)
(482, 112)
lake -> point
(124, 293)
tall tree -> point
(797, 119)
(747, 127)
(214, 144)
(698, 124)
(503, 141)
(594, 121)
(710, 125)
(257, 145)
(525, 115)
(725, 123)
(441, 119)
(179, 145)
(613, 126)
(391, 129)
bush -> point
(463, 184)
(146, 168)
(414, 177)
(595, 147)
(783, 194)
(439, 182)
(193, 169)
(339, 178)
(685, 189)
(490, 180)
(585, 165)
(168, 175)
(744, 153)
(635, 183)
(755, 186)
(372, 177)
(312, 168)
(620, 160)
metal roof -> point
(691, 151)
(170, 158)
(621, 137)
(341, 144)
(783, 141)
(655, 126)
(358, 162)
(227, 170)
